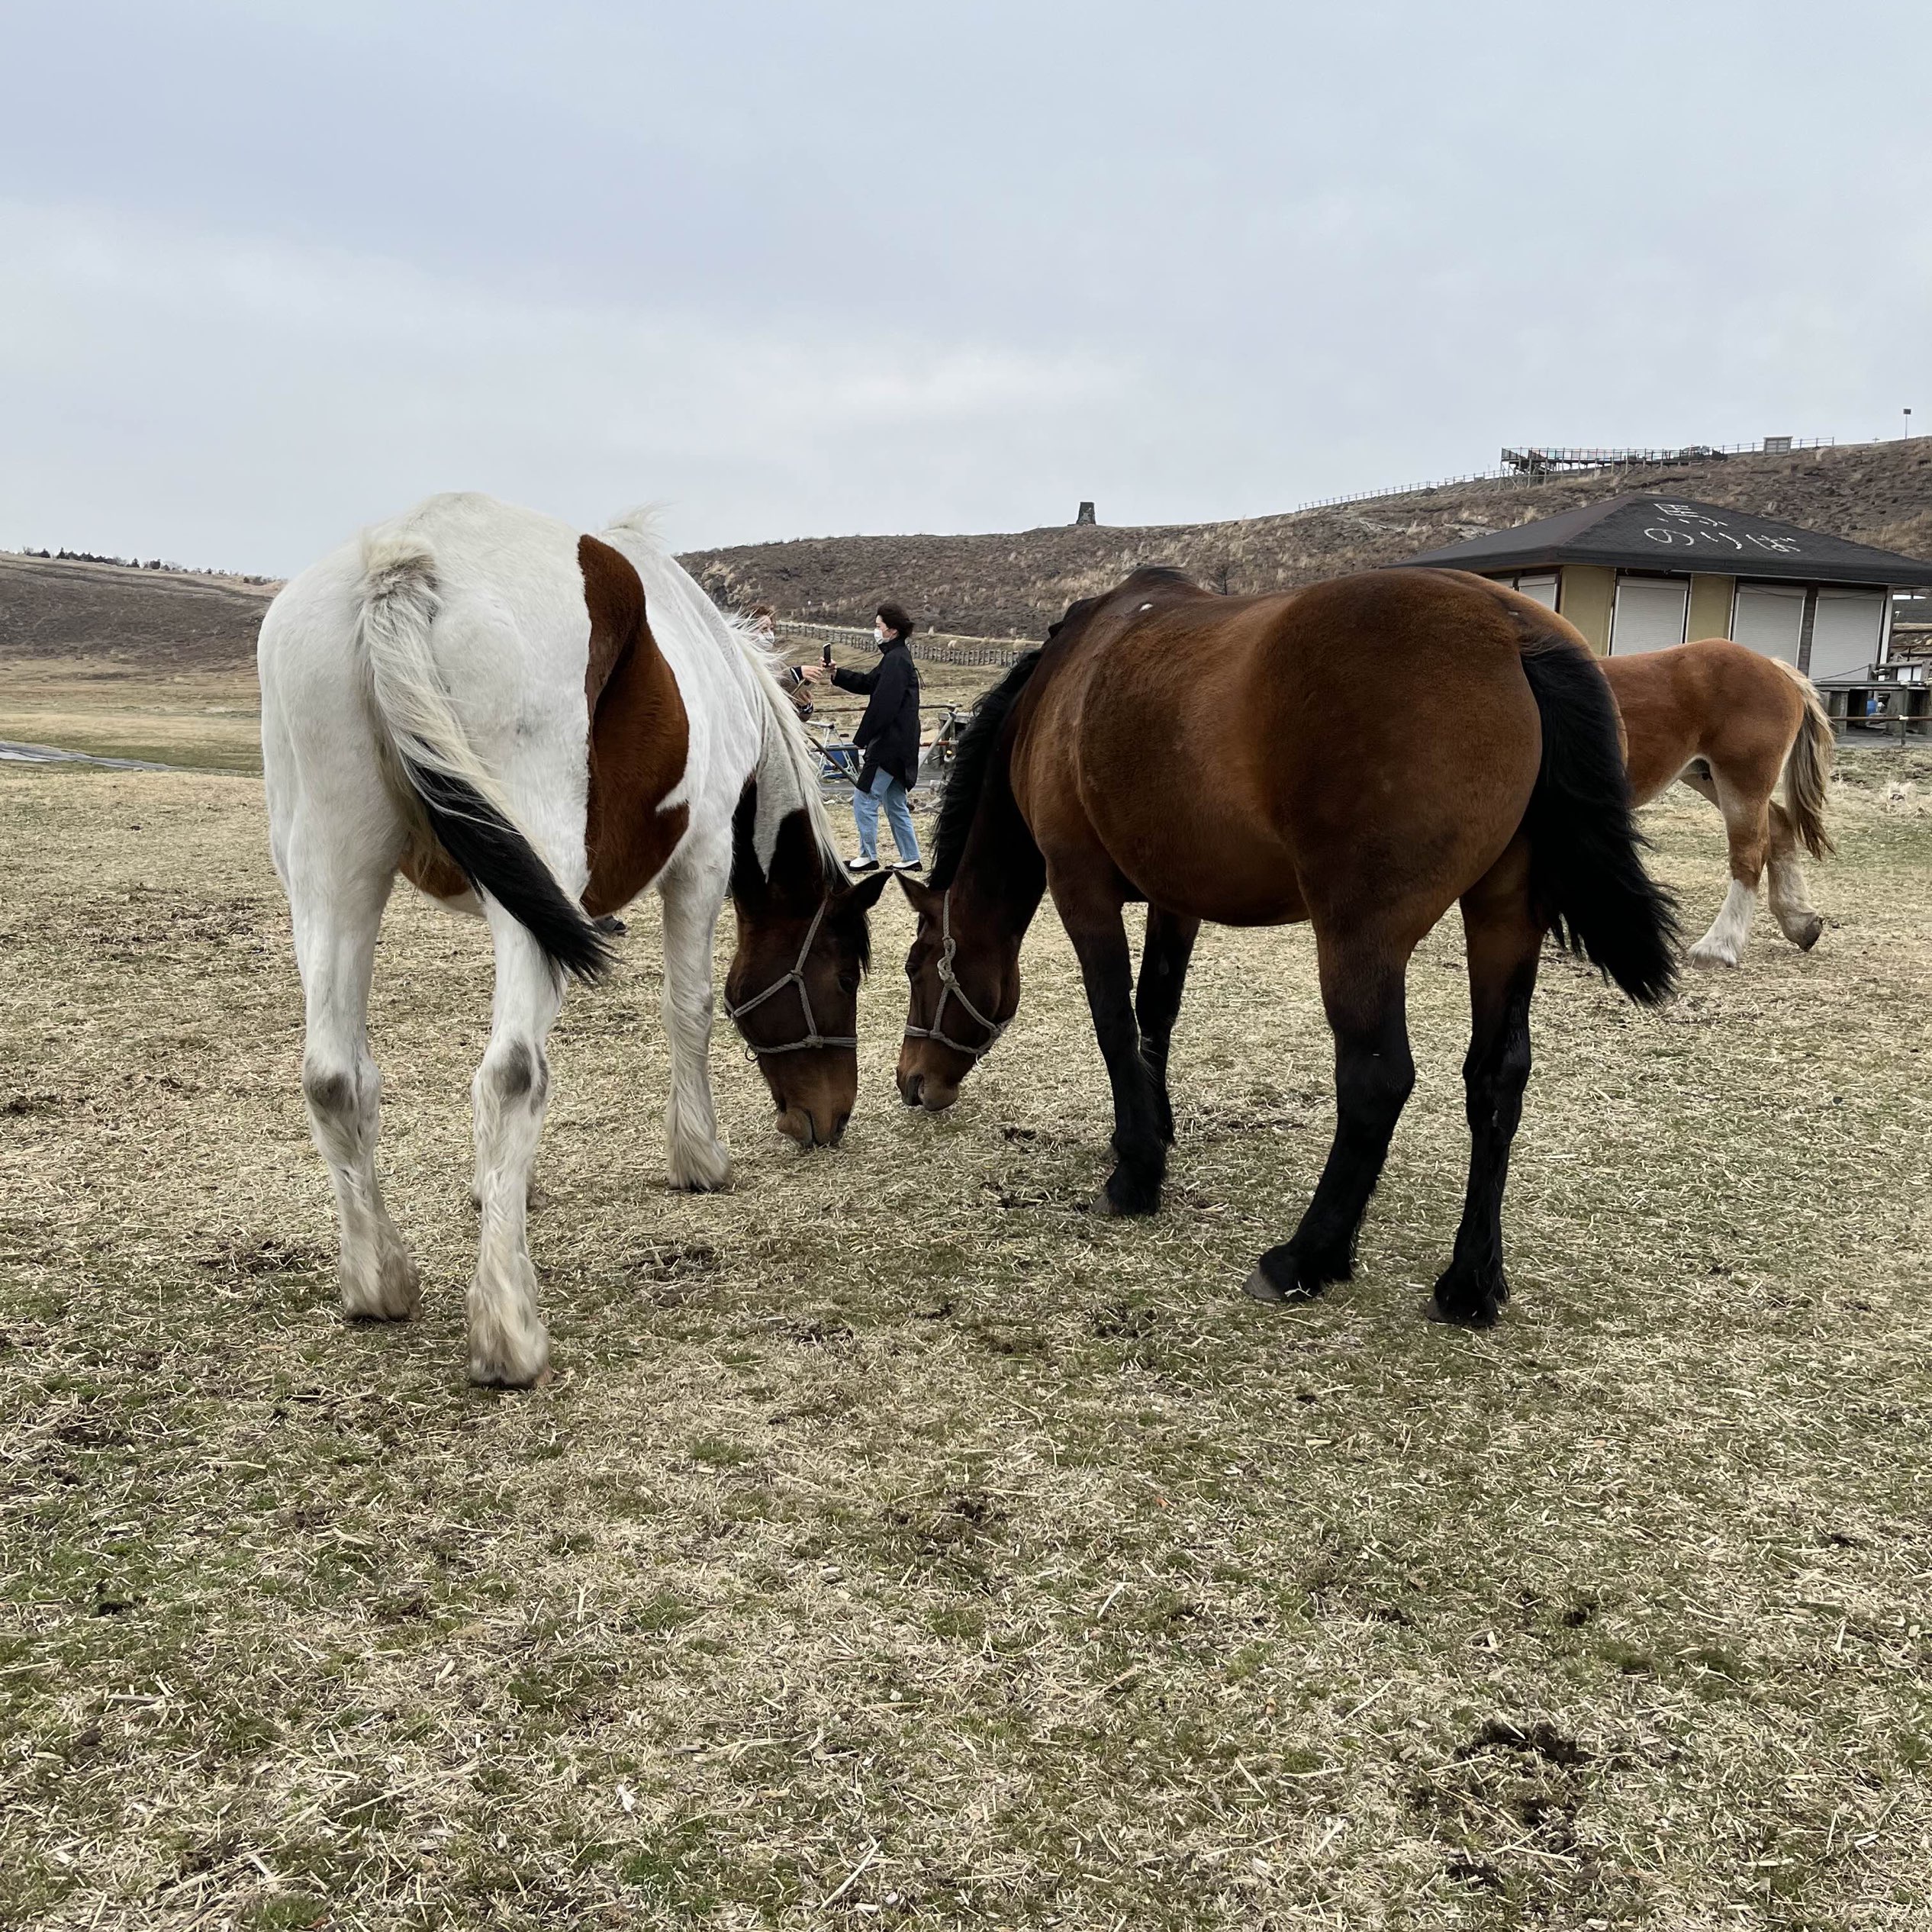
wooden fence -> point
(935, 647)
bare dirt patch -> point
(886, 1554)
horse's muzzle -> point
(921, 1088)
(804, 1126)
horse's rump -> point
(456, 803)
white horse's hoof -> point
(390, 1294)
(1704, 954)
(698, 1168)
(506, 1361)
(509, 1346)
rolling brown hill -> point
(164, 621)
(1014, 585)
(169, 623)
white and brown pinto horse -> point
(1730, 722)
(536, 725)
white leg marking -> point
(336, 913)
(508, 1344)
(694, 1157)
(1723, 944)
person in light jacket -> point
(888, 735)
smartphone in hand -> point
(827, 656)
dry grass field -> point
(901, 1544)
(210, 719)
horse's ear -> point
(863, 896)
(925, 900)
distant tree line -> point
(140, 563)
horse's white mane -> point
(643, 519)
(787, 771)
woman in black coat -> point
(888, 735)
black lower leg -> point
(1473, 1287)
(1141, 1152)
(1169, 945)
(1373, 1075)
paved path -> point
(17, 753)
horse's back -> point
(1244, 759)
(1711, 698)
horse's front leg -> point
(1164, 955)
(695, 1160)
(1091, 914)
(1746, 806)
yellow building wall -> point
(1711, 600)
(1584, 596)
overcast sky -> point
(269, 271)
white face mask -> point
(878, 633)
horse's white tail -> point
(462, 801)
(1807, 767)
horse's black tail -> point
(1586, 872)
(457, 800)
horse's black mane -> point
(970, 765)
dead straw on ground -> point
(900, 1543)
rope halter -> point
(813, 1037)
(951, 988)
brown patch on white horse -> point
(640, 736)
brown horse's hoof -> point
(1462, 1303)
(1125, 1197)
(1484, 1317)
(1812, 934)
(1258, 1287)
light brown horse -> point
(1362, 754)
(1728, 721)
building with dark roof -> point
(1640, 572)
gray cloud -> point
(267, 272)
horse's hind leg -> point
(1503, 938)
(336, 903)
(1745, 804)
(1798, 920)
(508, 1344)
(1362, 988)
(1164, 955)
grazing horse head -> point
(803, 944)
(965, 987)
(986, 880)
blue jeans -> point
(886, 790)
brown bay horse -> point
(1362, 753)
(1730, 722)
